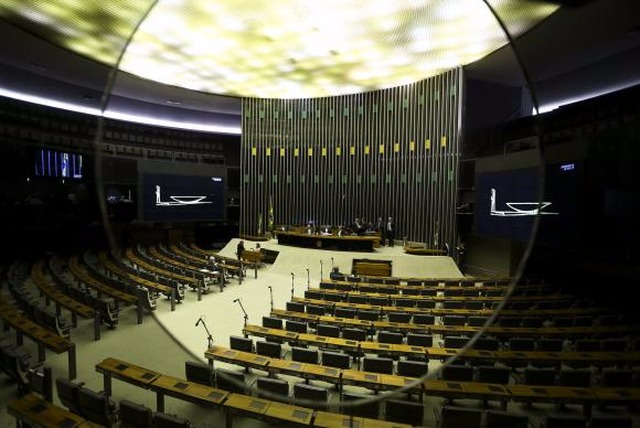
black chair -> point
(134, 415)
(402, 317)
(345, 313)
(493, 374)
(426, 304)
(369, 315)
(574, 377)
(315, 309)
(456, 372)
(503, 419)
(379, 301)
(454, 320)
(425, 319)
(616, 378)
(390, 337)
(231, 381)
(377, 365)
(521, 344)
(295, 307)
(273, 389)
(455, 342)
(199, 372)
(539, 376)
(369, 410)
(563, 421)
(416, 339)
(335, 359)
(473, 304)
(68, 394)
(314, 397)
(328, 330)
(304, 355)
(407, 412)
(361, 300)
(354, 334)
(406, 303)
(412, 368)
(296, 326)
(477, 321)
(614, 345)
(453, 304)
(510, 321)
(241, 343)
(487, 344)
(316, 295)
(97, 407)
(270, 322)
(165, 420)
(549, 345)
(587, 345)
(269, 349)
(610, 421)
(532, 322)
(459, 417)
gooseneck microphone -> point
(235, 300)
(199, 321)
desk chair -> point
(304, 355)
(314, 397)
(369, 315)
(424, 319)
(315, 309)
(377, 365)
(369, 410)
(296, 326)
(402, 317)
(426, 304)
(68, 394)
(417, 339)
(407, 412)
(616, 378)
(454, 320)
(165, 420)
(390, 337)
(199, 372)
(317, 295)
(502, 419)
(270, 322)
(456, 372)
(354, 334)
(458, 417)
(563, 421)
(273, 389)
(328, 330)
(335, 359)
(412, 368)
(610, 421)
(574, 377)
(231, 381)
(539, 376)
(97, 407)
(269, 349)
(345, 313)
(241, 343)
(295, 307)
(134, 415)
(362, 300)
(405, 303)
(493, 374)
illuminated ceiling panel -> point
(278, 49)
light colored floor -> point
(164, 341)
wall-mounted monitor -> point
(53, 163)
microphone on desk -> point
(235, 300)
(199, 321)
(270, 287)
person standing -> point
(380, 229)
(240, 249)
(390, 231)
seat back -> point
(269, 349)
(315, 309)
(134, 415)
(165, 420)
(328, 330)
(230, 381)
(198, 372)
(271, 322)
(296, 326)
(407, 412)
(493, 374)
(564, 421)
(503, 419)
(390, 337)
(314, 397)
(68, 394)
(377, 365)
(574, 377)
(336, 359)
(273, 389)
(369, 410)
(295, 306)
(402, 317)
(458, 373)
(539, 376)
(460, 417)
(354, 334)
(241, 343)
(415, 339)
(304, 355)
(96, 406)
(412, 368)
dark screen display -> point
(170, 197)
(507, 204)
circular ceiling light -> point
(285, 48)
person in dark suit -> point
(390, 231)
(240, 249)
(380, 225)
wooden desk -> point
(329, 242)
(245, 359)
(38, 412)
(130, 373)
(185, 390)
(617, 396)
(289, 414)
(44, 338)
(334, 420)
(245, 405)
